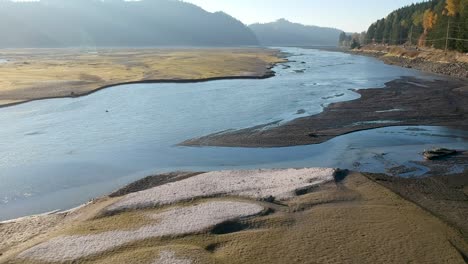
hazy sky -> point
(348, 15)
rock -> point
(268, 199)
(339, 175)
(439, 153)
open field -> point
(30, 74)
(343, 220)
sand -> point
(169, 257)
(354, 220)
(174, 222)
(257, 184)
(21, 230)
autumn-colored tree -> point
(453, 7)
(429, 20)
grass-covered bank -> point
(450, 63)
(31, 74)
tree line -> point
(441, 24)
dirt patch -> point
(443, 196)
(419, 102)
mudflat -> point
(31, 74)
(405, 101)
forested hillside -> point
(438, 23)
(71, 23)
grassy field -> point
(30, 74)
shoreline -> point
(438, 168)
(430, 61)
(375, 204)
(73, 74)
(267, 75)
(403, 102)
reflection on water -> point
(59, 153)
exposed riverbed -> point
(59, 153)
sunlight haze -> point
(233, 131)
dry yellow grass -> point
(32, 74)
(356, 221)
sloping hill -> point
(436, 23)
(286, 33)
(71, 23)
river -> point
(59, 153)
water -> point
(59, 153)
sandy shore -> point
(34, 74)
(405, 101)
(326, 216)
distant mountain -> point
(71, 23)
(285, 33)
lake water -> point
(59, 153)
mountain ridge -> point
(54, 23)
(286, 33)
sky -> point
(347, 15)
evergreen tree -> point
(370, 35)
(395, 31)
(435, 23)
(342, 39)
